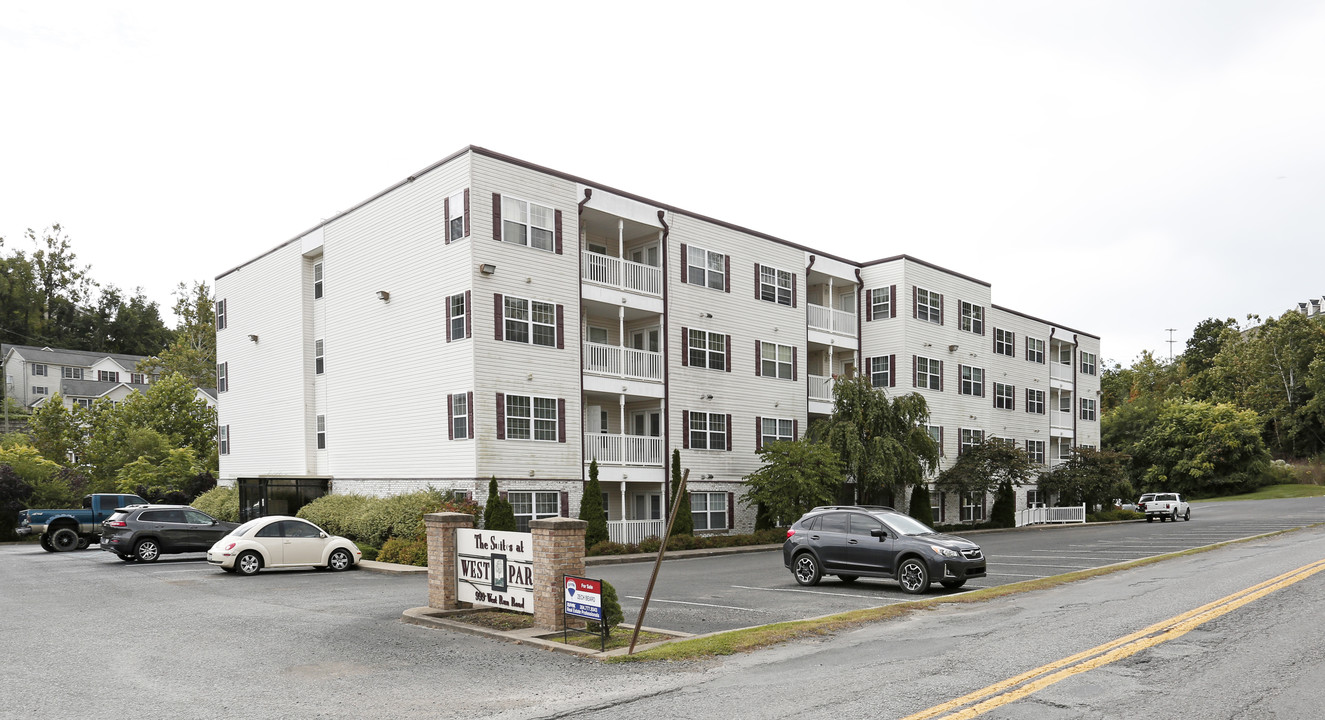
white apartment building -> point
(33, 374)
(537, 321)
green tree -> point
(14, 494)
(795, 476)
(1089, 477)
(882, 441)
(920, 509)
(171, 472)
(1146, 378)
(55, 432)
(684, 524)
(1199, 448)
(591, 509)
(172, 408)
(498, 514)
(192, 353)
(1004, 512)
(983, 467)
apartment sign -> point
(495, 569)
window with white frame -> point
(973, 506)
(72, 373)
(973, 381)
(1005, 396)
(774, 285)
(40, 390)
(318, 364)
(460, 416)
(881, 371)
(321, 432)
(1035, 350)
(936, 503)
(223, 439)
(775, 360)
(529, 417)
(775, 429)
(1005, 342)
(708, 431)
(108, 376)
(222, 376)
(39, 369)
(530, 505)
(1065, 403)
(708, 350)
(85, 403)
(137, 379)
(526, 223)
(970, 438)
(1035, 451)
(706, 268)
(936, 432)
(929, 373)
(881, 302)
(973, 318)
(220, 314)
(1036, 497)
(1087, 409)
(1088, 363)
(317, 280)
(530, 321)
(1035, 401)
(929, 306)
(709, 510)
(456, 206)
(456, 311)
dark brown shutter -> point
(501, 416)
(726, 273)
(940, 440)
(466, 212)
(867, 368)
(561, 328)
(1028, 399)
(941, 311)
(450, 420)
(759, 281)
(469, 409)
(795, 429)
(759, 433)
(758, 352)
(561, 420)
(498, 314)
(794, 363)
(469, 330)
(984, 382)
(793, 289)
(940, 376)
(496, 217)
(447, 300)
(869, 305)
(995, 339)
(556, 224)
(914, 382)
(915, 302)
(685, 261)
(446, 215)
(502, 494)
(1012, 397)
(565, 504)
(984, 321)
(685, 347)
(892, 301)
(685, 429)
(727, 352)
(729, 432)
(731, 507)
(892, 371)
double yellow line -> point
(1015, 688)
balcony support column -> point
(621, 239)
(622, 403)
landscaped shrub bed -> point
(394, 523)
(690, 542)
(221, 503)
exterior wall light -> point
(487, 268)
(384, 296)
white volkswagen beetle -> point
(281, 541)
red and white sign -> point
(584, 598)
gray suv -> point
(146, 532)
(855, 541)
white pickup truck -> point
(1165, 506)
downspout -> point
(667, 373)
(806, 324)
(579, 265)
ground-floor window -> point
(973, 506)
(1035, 498)
(533, 505)
(709, 510)
(936, 502)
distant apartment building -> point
(34, 374)
(536, 321)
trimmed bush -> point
(401, 516)
(591, 509)
(221, 503)
(650, 544)
(607, 547)
(612, 615)
(498, 513)
(405, 552)
(337, 514)
(920, 508)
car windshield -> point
(905, 525)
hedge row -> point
(690, 542)
(374, 520)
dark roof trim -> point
(918, 261)
(1042, 320)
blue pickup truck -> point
(64, 530)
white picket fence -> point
(1045, 515)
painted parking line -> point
(1041, 565)
(698, 604)
(1002, 574)
(1015, 688)
(811, 592)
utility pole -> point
(1171, 341)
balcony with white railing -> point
(622, 362)
(615, 272)
(633, 531)
(1059, 371)
(633, 450)
(1059, 419)
(819, 317)
(821, 388)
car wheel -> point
(82, 542)
(848, 578)
(125, 558)
(1150, 518)
(248, 563)
(952, 584)
(913, 576)
(340, 560)
(1187, 515)
(806, 569)
(64, 540)
(147, 550)
(46, 543)
(1175, 514)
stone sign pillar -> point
(558, 545)
(442, 558)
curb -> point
(534, 637)
(391, 568)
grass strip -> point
(756, 638)
(1273, 492)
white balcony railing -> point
(633, 531)
(1059, 371)
(1043, 515)
(826, 318)
(821, 388)
(618, 273)
(622, 362)
(637, 450)
(1059, 419)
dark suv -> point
(854, 541)
(146, 532)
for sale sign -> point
(584, 598)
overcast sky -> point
(1119, 168)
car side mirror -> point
(879, 533)
(322, 535)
